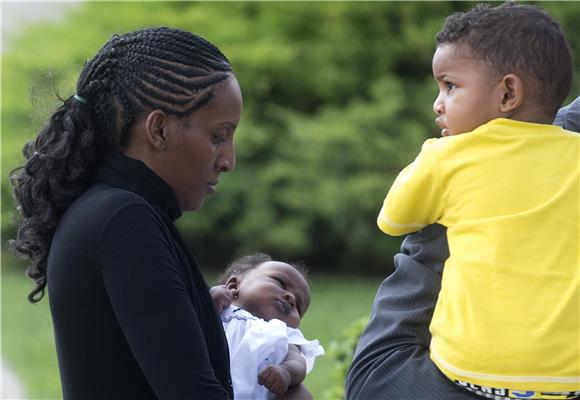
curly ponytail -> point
(153, 68)
(59, 167)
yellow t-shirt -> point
(508, 314)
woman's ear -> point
(512, 93)
(156, 126)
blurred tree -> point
(338, 97)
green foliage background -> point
(338, 97)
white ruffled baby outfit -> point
(254, 344)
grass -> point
(28, 343)
(27, 339)
(336, 301)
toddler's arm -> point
(414, 200)
(290, 372)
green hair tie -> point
(81, 99)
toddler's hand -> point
(222, 297)
(276, 378)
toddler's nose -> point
(438, 106)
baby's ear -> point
(232, 282)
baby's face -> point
(274, 290)
(469, 96)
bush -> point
(338, 97)
(342, 351)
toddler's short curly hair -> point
(516, 38)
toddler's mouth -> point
(444, 129)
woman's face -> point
(201, 146)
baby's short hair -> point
(246, 263)
(516, 38)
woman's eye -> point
(218, 138)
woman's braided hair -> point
(153, 68)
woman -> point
(145, 137)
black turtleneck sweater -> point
(132, 314)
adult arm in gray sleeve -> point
(569, 117)
(391, 360)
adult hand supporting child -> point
(222, 297)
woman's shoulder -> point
(106, 200)
(105, 195)
(101, 204)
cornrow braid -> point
(153, 68)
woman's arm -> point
(149, 296)
(221, 296)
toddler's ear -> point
(513, 93)
(232, 283)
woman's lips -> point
(211, 187)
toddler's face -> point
(274, 290)
(469, 96)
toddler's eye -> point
(450, 86)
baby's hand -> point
(276, 378)
(222, 297)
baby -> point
(261, 303)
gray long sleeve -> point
(569, 117)
(391, 360)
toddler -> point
(261, 303)
(505, 183)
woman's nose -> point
(226, 162)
